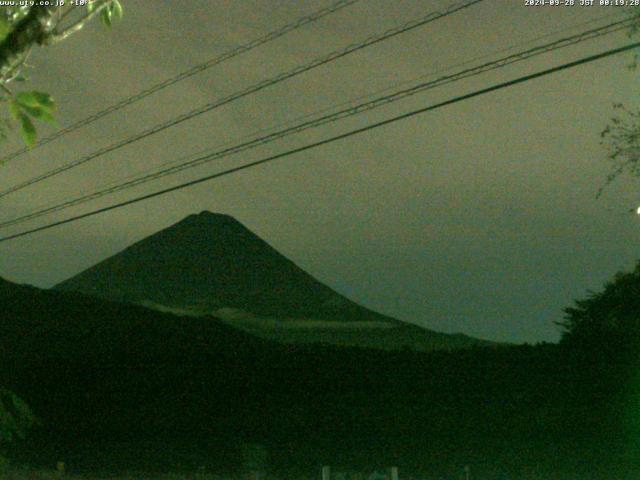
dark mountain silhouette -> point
(211, 261)
(212, 264)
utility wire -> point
(184, 75)
(344, 113)
(351, 102)
(335, 138)
(247, 91)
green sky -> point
(480, 217)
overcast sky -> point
(479, 218)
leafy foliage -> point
(112, 12)
(16, 418)
(610, 315)
(634, 29)
(124, 387)
(622, 140)
(622, 136)
(27, 105)
(254, 457)
(22, 27)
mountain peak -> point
(208, 217)
(209, 261)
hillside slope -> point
(212, 264)
(211, 261)
(120, 387)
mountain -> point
(207, 262)
(212, 264)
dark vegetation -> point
(119, 387)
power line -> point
(184, 75)
(247, 91)
(344, 113)
(380, 91)
(335, 138)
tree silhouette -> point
(611, 316)
(622, 136)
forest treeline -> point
(118, 387)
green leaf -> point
(105, 17)
(5, 27)
(35, 99)
(27, 98)
(113, 11)
(116, 9)
(39, 113)
(38, 105)
(28, 130)
(14, 109)
(45, 100)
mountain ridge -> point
(210, 263)
(259, 274)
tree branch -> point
(58, 36)
(33, 29)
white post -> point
(394, 473)
(326, 472)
